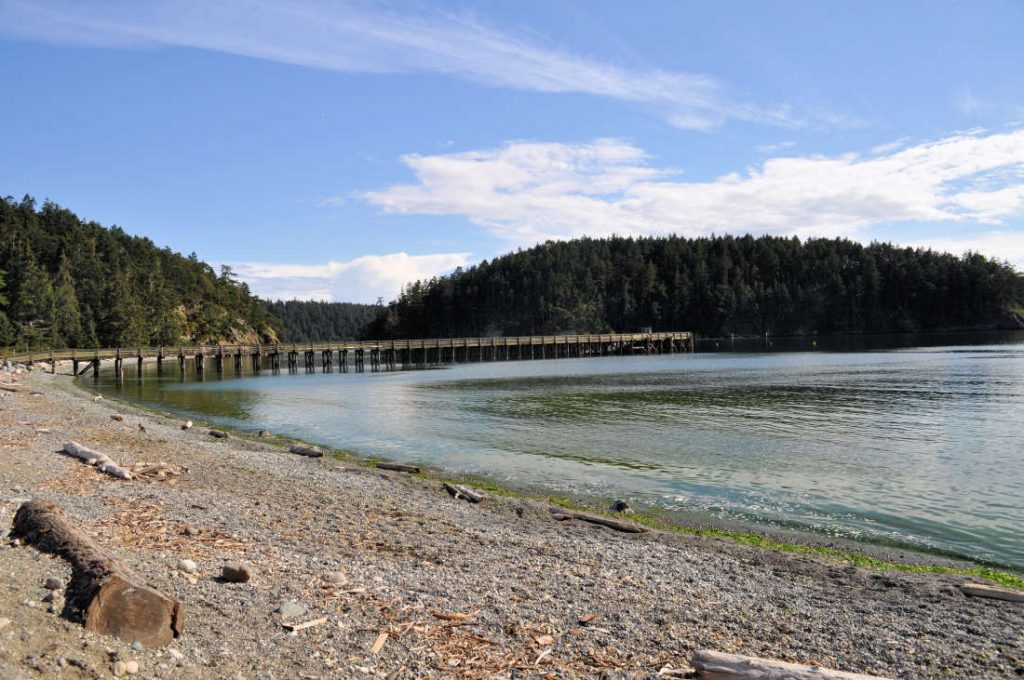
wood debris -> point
(296, 627)
(379, 643)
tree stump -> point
(113, 599)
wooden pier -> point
(355, 355)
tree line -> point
(69, 283)
(312, 321)
(714, 286)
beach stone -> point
(53, 583)
(191, 531)
(622, 506)
(236, 572)
(335, 578)
(131, 667)
(138, 646)
(264, 434)
(187, 566)
(51, 596)
(292, 609)
(4, 623)
(187, 425)
(120, 669)
(176, 655)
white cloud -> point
(348, 37)
(363, 279)
(527, 192)
(1004, 246)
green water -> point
(918, 446)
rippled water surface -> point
(922, 446)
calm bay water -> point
(919, 446)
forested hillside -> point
(322, 321)
(714, 286)
(69, 283)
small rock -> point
(335, 578)
(117, 416)
(622, 506)
(97, 397)
(56, 607)
(236, 572)
(264, 434)
(191, 531)
(51, 596)
(187, 566)
(176, 655)
(187, 425)
(138, 646)
(53, 583)
(131, 667)
(219, 434)
(120, 669)
(4, 622)
(292, 609)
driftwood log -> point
(398, 467)
(310, 451)
(459, 491)
(114, 600)
(102, 461)
(983, 590)
(219, 434)
(712, 665)
(565, 513)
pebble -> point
(622, 506)
(187, 425)
(131, 667)
(51, 596)
(191, 531)
(176, 655)
(292, 609)
(335, 578)
(138, 646)
(120, 668)
(236, 572)
(4, 622)
(187, 566)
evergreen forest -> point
(714, 286)
(69, 283)
(310, 321)
(65, 282)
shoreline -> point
(408, 551)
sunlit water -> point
(921, 447)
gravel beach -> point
(414, 583)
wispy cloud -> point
(1004, 246)
(527, 192)
(363, 279)
(779, 146)
(352, 38)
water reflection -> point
(918, 446)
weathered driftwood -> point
(565, 513)
(712, 665)
(983, 590)
(302, 450)
(10, 388)
(398, 467)
(102, 462)
(219, 434)
(460, 491)
(113, 599)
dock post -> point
(96, 367)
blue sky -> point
(336, 150)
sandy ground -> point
(410, 557)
